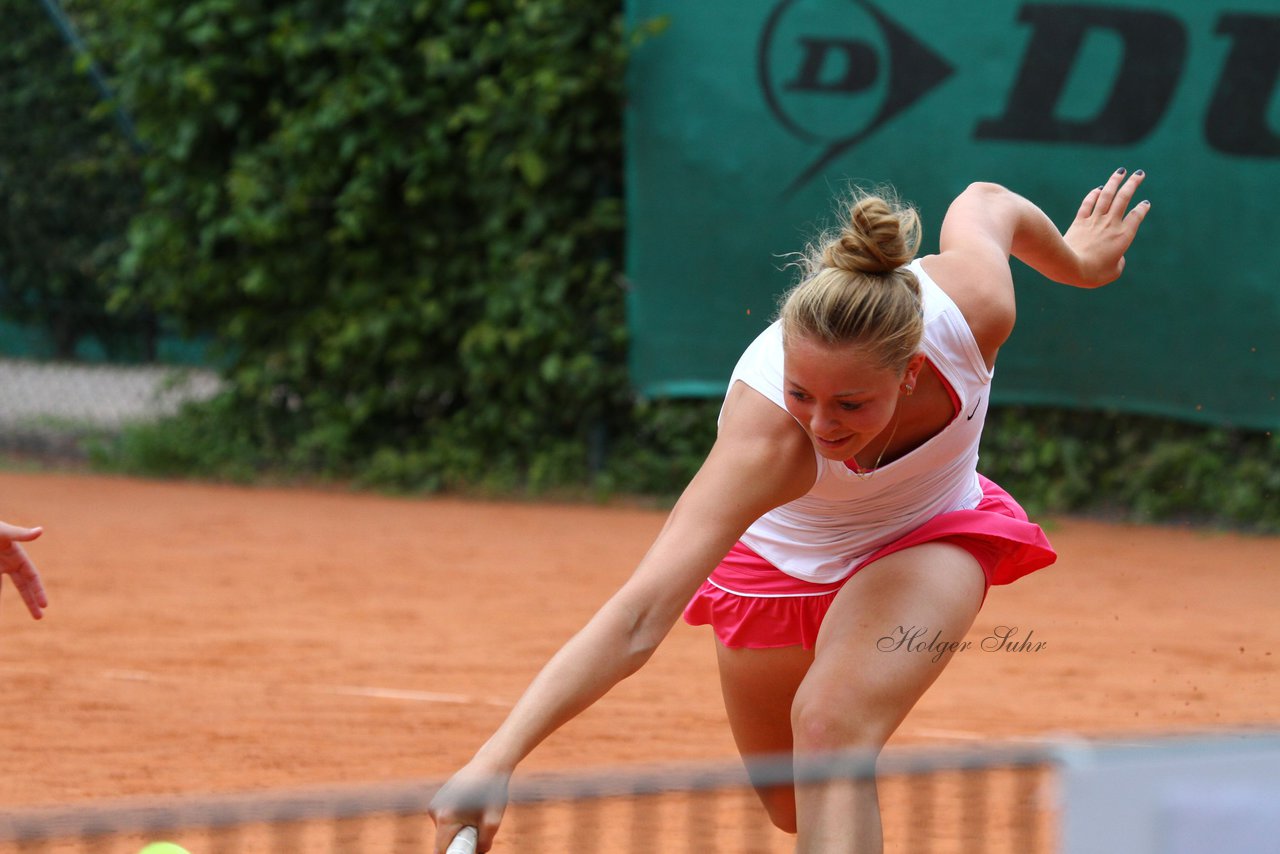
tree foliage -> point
(68, 185)
(401, 221)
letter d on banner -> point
(1155, 46)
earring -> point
(908, 389)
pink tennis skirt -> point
(751, 604)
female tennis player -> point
(840, 503)
(15, 563)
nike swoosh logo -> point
(974, 411)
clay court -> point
(206, 638)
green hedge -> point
(1135, 467)
(1117, 466)
(68, 185)
(401, 223)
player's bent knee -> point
(817, 728)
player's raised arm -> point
(989, 221)
(760, 460)
(15, 563)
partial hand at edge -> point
(15, 563)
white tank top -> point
(823, 535)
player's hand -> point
(15, 563)
(471, 798)
(1104, 228)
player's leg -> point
(759, 686)
(861, 686)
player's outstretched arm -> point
(21, 571)
(744, 476)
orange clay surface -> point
(226, 639)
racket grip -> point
(464, 842)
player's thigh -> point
(888, 635)
(759, 686)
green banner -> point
(748, 119)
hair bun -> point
(856, 288)
(880, 236)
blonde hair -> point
(855, 288)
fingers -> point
(486, 830)
(27, 581)
(451, 821)
(19, 534)
(489, 823)
(1124, 195)
(15, 563)
(1114, 196)
(1134, 218)
(1107, 193)
(28, 584)
(1089, 203)
(445, 834)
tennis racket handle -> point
(464, 842)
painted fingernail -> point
(1139, 172)
(1120, 171)
(1145, 202)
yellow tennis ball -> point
(164, 848)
